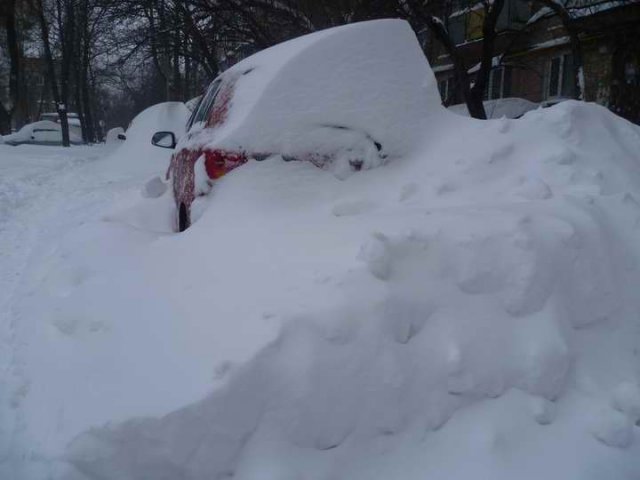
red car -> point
(345, 99)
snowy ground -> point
(469, 312)
(45, 192)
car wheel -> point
(183, 218)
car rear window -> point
(202, 111)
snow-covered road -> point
(30, 187)
(44, 191)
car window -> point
(46, 135)
(202, 111)
(194, 112)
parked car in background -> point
(75, 127)
(43, 132)
(115, 135)
(344, 99)
(73, 118)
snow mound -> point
(501, 107)
(459, 313)
(371, 77)
(444, 316)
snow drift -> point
(501, 107)
(468, 311)
(458, 314)
(369, 77)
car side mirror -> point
(164, 139)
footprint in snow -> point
(409, 190)
(352, 207)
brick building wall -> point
(542, 50)
(528, 76)
(597, 72)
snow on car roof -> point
(369, 76)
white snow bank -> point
(371, 77)
(461, 313)
(501, 107)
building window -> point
(560, 81)
(465, 25)
(474, 22)
(631, 72)
(446, 89)
(499, 84)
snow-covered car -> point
(72, 118)
(345, 99)
(115, 135)
(43, 132)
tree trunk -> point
(78, 102)
(67, 38)
(475, 105)
(156, 55)
(460, 71)
(489, 34)
(61, 107)
(16, 87)
(210, 63)
(5, 121)
(176, 80)
(84, 75)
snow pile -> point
(501, 107)
(460, 313)
(370, 77)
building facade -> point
(533, 58)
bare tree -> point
(434, 16)
(8, 13)
(60, 96)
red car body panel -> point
(219, 161)
(182, 169)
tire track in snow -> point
(35, 186)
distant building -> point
(533, 57)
